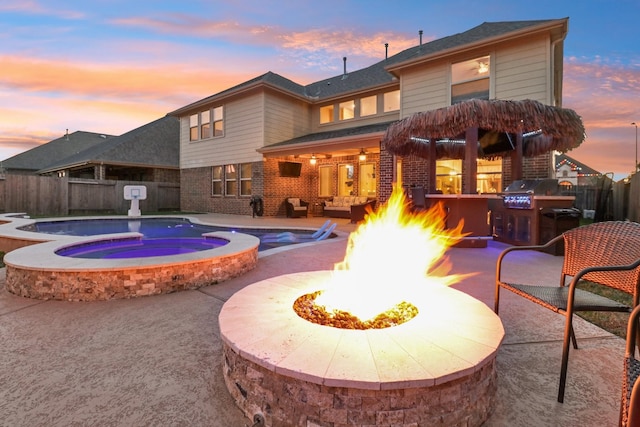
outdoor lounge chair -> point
(605, 253)
(630, 399)
(290, 237)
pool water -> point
(140, 248)
(152, 228)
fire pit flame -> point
(388, 258)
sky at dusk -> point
(110, 66)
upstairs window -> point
(347, 110)
(193, 127)
(218, 121)
(470, 79)
(200, 124)
(392, 101)
(205, 124)
(368, 106)
(326, 114)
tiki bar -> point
(490, 129)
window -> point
(245, 179)
(449, 176)
(205, 124)
(326, 114)
(216, 181)
(367, 180)
(346, 110)
(392, 101)
(230, 180)
(470, 79)
(193, 127)
(218, 121)
(200, 124)
(325, 174)
(345, 180)
(489, 176)
(368, 106)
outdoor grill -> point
(516, 217)
(520, 194)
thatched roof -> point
(545, 128)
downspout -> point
(554, 46)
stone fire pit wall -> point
(464, 402)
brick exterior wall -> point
(266, 182)
(415, 171)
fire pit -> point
(380, 340)
(437, 368)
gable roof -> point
(581, 168)
(155, 144)
(53, 151)
(381, 73)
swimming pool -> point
(159, 228)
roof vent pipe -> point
(66, 135)
(386, 50)
(344, 60)
(420, 33)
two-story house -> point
(274, 138)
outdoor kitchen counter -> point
(472, 208)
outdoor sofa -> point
(352, 207)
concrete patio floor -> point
(157, 361)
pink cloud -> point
(167, 82)
(606, 97)
(37, 8)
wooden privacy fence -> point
(53, 196)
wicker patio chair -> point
(296, 207)
(605, 253)
(630, 401)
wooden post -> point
(470, 161)
(516, 159)
(432, 166)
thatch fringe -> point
(561, 129)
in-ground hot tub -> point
(37, 271)
(435, 369)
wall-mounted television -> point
(492, 142)
(290, 169)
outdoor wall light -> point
(312, 160)
(363, 155)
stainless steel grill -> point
(519, 194)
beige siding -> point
(244, 134)
(424, 89)
(285, 118)
(519, 71)
(522, 71)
